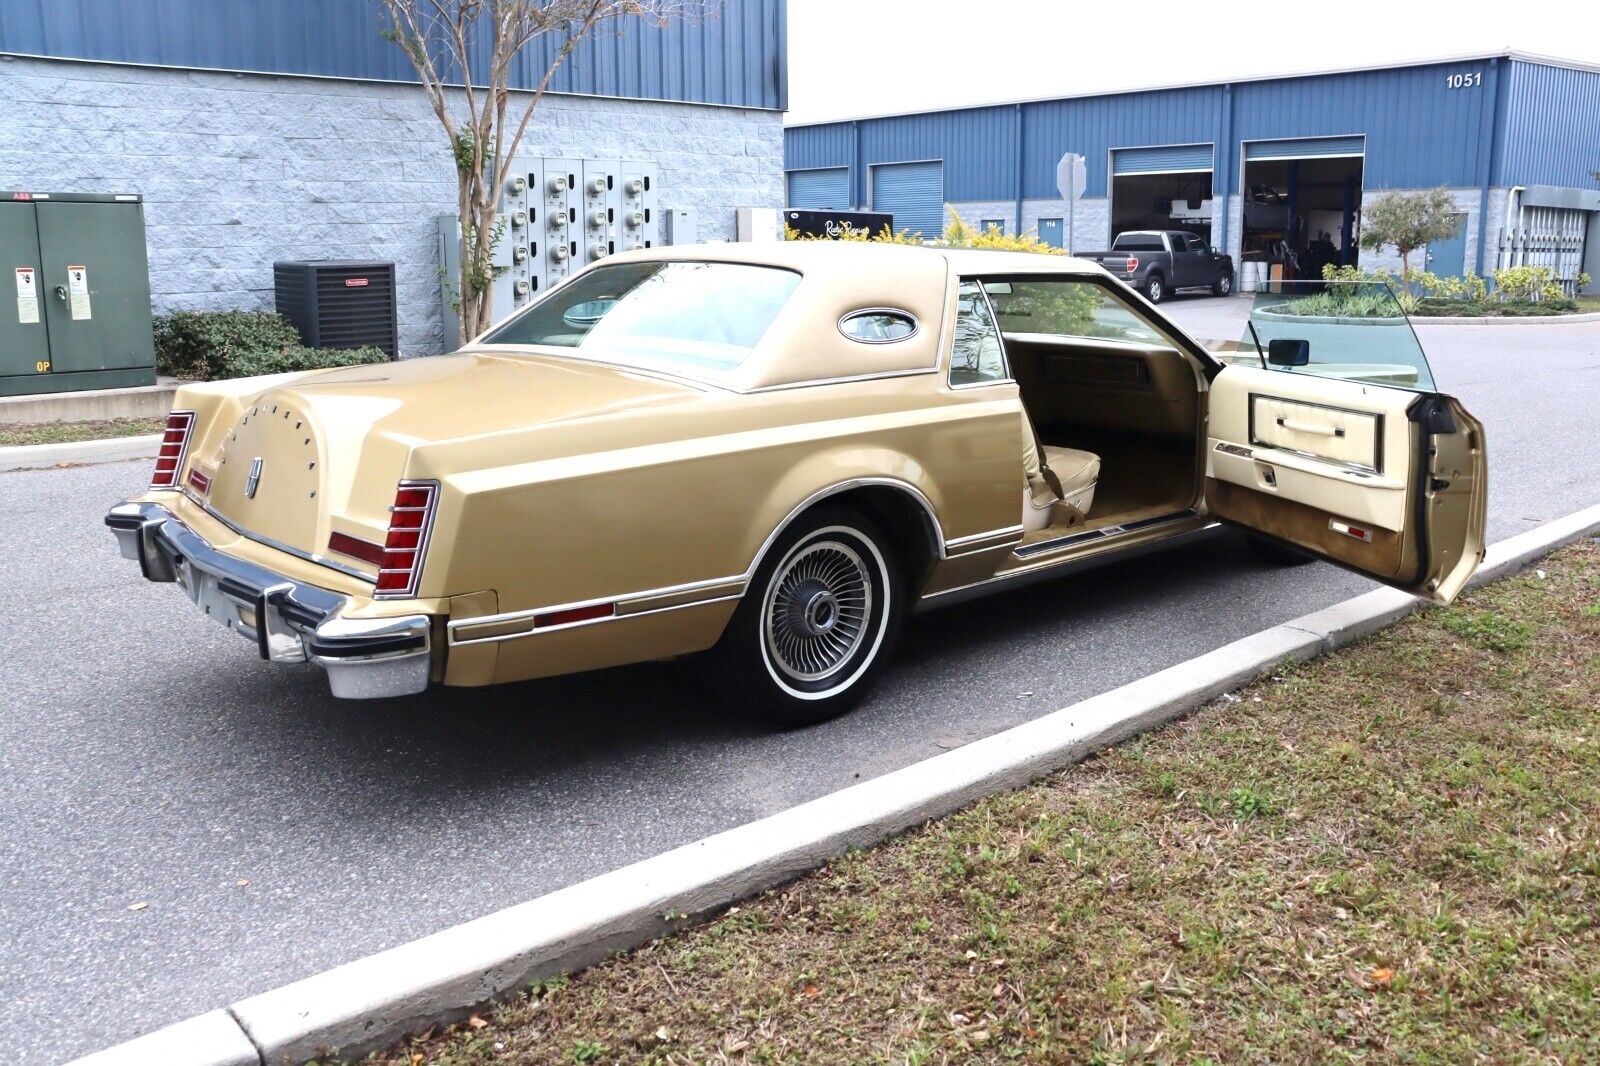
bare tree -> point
(465, 53)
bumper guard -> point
(287, 621)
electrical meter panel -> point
(637, 225)
(597, 209)
(560, 220)
(556, 217)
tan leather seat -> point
(1078, 471)
(1072, 470)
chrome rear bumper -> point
(287, 621)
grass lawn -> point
(68, 432)
(1589, 303)
(1390, 854)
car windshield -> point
(1352, 330)
(694, 319)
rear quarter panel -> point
(690, 497)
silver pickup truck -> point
(1157, 262)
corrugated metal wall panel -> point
(979, 146)
(1420, 130)
(913, 193)
(818, 190)
(1552, 127)
(1305, 148)
(808, 147)
(1173, 159)
(1093, 126)
(734, 56)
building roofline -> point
(1504, 53)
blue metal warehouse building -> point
(1251, 165)
(259, 130)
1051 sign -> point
(1464, 81)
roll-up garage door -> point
(913, 193)
(1170, 159)
(820, 190)
(1305, 148)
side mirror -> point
(1288, 352)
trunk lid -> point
(323, 454)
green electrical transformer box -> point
(76, 310)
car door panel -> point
(1386, 481)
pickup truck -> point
(1157, 262)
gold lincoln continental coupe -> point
(772, 453)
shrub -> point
(212, 345)
(255, 362)
(198, 344)
(958, 233)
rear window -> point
(695, 319)
(1139, 242)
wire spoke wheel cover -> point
(816, 610)
(821, 606)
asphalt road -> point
(147, 757)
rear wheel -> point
(1223, 286)
(816, 623)
(1155, 288)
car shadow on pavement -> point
(520, 735)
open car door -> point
(1326, 433)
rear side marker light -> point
(574, 614)
(199, 482)
(1360, 533)
(400, 559)
(174, 448)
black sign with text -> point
(836, 224)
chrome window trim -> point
(897, 312)
(842, 380)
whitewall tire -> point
(817, 621)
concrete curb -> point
(140, 401)
(372, 1002)
(1504, 320)
(111, 450)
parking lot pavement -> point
(146, 756)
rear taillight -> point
(1133, 263)
(410, 522)
(174, 446)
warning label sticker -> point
(78, 290)
(27, 296)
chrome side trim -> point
(1051, 571)
(622, 603)
(977, 542)
(1092, 535)
(457, 642)
(916, 494)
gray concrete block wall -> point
(1466, 202)
(239, 170)
(1091, 217)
